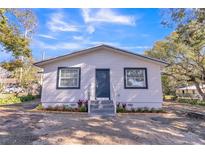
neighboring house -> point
(189, 92)
(4, 73)
(102, 73)
(5, 77)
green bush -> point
(10, 100)
(153, 110)
(192, 101)
(133, 110)
(170, 97)
(40, 107)
(140, 110)
(16, 99)
(146, 109)
(62, 108)
(120, 109)
(83, 109)
(27, 98)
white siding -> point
(103, 59)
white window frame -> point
(59, 86)
(126, 86)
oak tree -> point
(184, 48)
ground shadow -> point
(24, 127)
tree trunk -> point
(201, 93)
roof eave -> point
(44, 62)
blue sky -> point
(61, 31)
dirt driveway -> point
(20, 126)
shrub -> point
(75, 109)
(10, 100)
(133, 109)
(160, 111)
(40, 107)
(124, 106)
(64, 108)
(86, 104)
(83, 109)
(139, 110)
(118, 105)
(170, 97)
(83, 103)
(192, 101)
(152, 110)
(61, 108)
(70, 109)
(55, 108)
(120, 109)
(80, 103)
(146, 109)
(16, 99)
(37, 96)
(27, 98)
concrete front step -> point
(102, 107)
(102, 112)
(106, 102)
(101, 102)
(102, 115)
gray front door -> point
(102, 83)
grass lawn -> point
(6, 95)
(192, 101)
(12, 99)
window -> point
(135, 78)
(68, 78)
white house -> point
(189, 92)
(102, 73)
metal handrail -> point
(89, 100)
(114, 98)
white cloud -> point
(57, 23)
(136, 47)
(103, 42)
(57, 46)
(90, 29)
(78, 38)
(108, 16)
(47, 36)
(71, 45)
(94, 17)
(77, 45)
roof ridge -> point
(97, 46)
